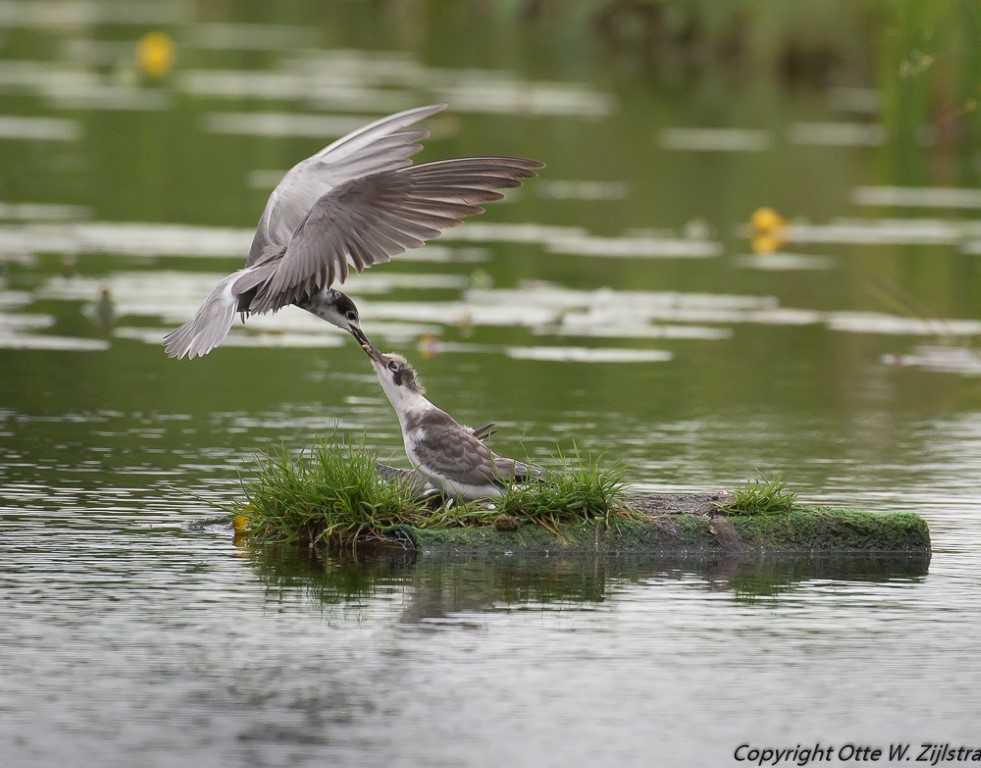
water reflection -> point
(252, 37)
(434, 588)
(356, 80)
(939, 358)
(837, 134)
(715, 139)
(548, 308)
(918, 197)
(39, 128)
(776, 261)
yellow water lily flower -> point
(155, 54)
(768, 230)
(765, 220)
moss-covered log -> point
(801, 530)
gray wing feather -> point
(377, 147)
(413, 481)
(457, 455)
(516, 470)
(367, 221)
(456, 452)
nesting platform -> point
(676, 524)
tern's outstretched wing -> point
(377, 147)
(367, 221)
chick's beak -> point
(366, 345)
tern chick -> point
(451, 456)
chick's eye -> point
(393, 366)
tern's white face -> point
(396, 370)
(334, 307)
(397, 377)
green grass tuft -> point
(332, 494)
(575, 489)
(761, 497)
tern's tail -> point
(209, 326)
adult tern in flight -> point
(355, 203)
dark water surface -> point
(617, 304)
